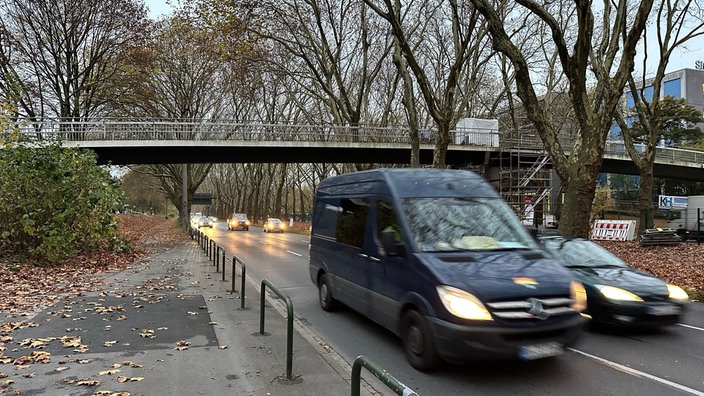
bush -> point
(55, 202)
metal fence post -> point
(289, 322)
(223, 266)
(217, 258)
(388, 379)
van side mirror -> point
(391, 246)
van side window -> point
(386, 220)
(351, 220)
(341, 219)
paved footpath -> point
(166, 326)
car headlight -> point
(462, 304)
(614, 293)
(676, 292)
(578, 296)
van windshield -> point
(455, 224)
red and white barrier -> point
(614, 230)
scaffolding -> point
(524, 176)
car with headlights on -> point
(617, 295)
(238, 221)
(274, 225)
(205, 222)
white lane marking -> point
(690, 327)
(294, 253)
(263, 242)
(634, 372)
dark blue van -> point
(437, 257)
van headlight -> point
(615, 293)
(677, 293)
(462, 304)
(578, 295)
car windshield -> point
(455, 224)
(274, 221)
(582, 253)
(241, 216)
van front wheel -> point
(418, 342)
(327, 302)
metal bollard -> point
(289, 322)
(388, 379)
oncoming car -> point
(274, 225)
(205, 222)
(617, 295)
(238, 221)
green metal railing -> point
(235, 260)
(388, 379)
(289, 322)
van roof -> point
(416, 182)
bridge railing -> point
(118, 130)
(219, 130)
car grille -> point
(531, 308)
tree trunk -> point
(576, 211)
(645, 200)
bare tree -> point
(63, 57)
(170, 181)
(603, 54)
(335, 44)
(439, 54)
(676, 23)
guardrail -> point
(236, 259)
(289, 322)
(386, 378)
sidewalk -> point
(168, 326)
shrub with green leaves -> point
(55, 202)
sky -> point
(682, 58)
(157, 8)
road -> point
(663, 362)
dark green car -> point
(617, 294)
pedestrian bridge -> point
(124, 142)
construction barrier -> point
(614, 230)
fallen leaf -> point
(88, 382)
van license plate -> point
(539, 351)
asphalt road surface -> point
(662, 362)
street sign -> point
(671, 202)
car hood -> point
(500, 275)
(628, 279)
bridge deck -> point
(176, 141)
